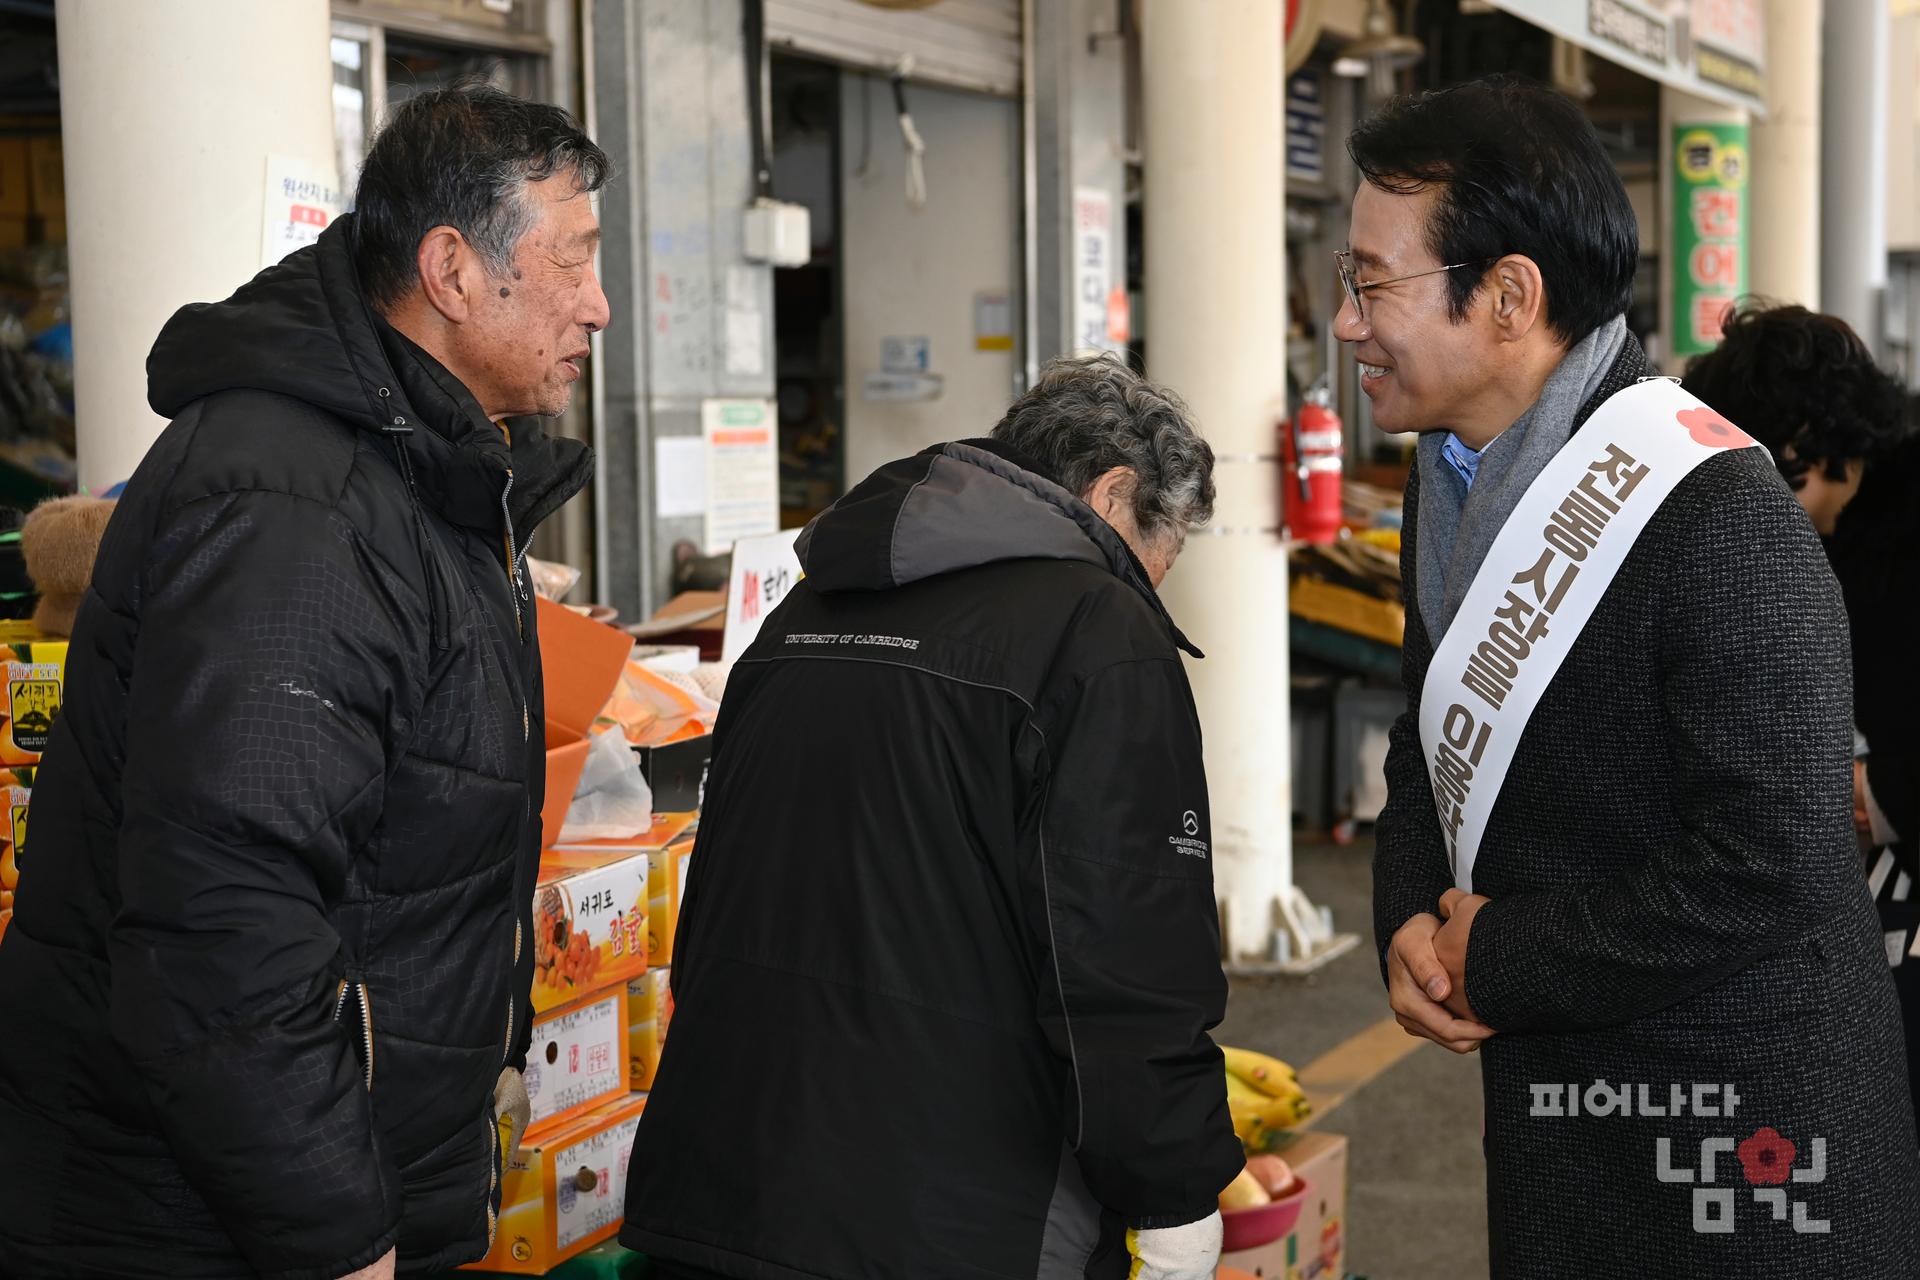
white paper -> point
(679, 476)
(743, 470)
(993, 321)
(301, 200)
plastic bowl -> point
(1263, 1224)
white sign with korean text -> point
(1092, 268)
(301, 200)
(764, 570)
(743, 470)
(1539, 585)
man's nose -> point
(1348, 324)
(596, 313)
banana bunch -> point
(1264, 1098)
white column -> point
(1853, 143)
(1216, 326)
(169, 109)
(1785, 207)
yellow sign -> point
(33, 705)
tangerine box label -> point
(589, 926)
(36, 679)
(577, 1058)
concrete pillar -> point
(1785, 237)
(1853, 147)
(693, 319)
(1080, 108)
(1679, 109)
(1216, 333)
(169, 109)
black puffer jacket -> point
(267, 960)
(949, 951)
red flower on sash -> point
(1712, 430)
(1767, 1156)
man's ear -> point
(1111, 493)
(449, 273)
(1519, 296)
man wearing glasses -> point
(1617, 855)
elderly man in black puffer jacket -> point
(269, 969)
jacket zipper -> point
(515, 582)
(366, 1021)
(514, 578)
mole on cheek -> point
(504, 291)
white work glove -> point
(1176, 1253)
(512, 1108)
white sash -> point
(1542, 579)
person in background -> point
(949, 952)
(267, 988)
(1840, 431)
(1662, 902)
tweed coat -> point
(1678, 907)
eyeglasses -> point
(1343, 260)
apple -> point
(1272, 1173)
(1244, 1192)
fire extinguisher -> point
(1310, 464)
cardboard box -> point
(578, 1059)
(1316, 1248)
(697, 618)
(580, 662)
(16, 182)
(18, 793)
(36, 672)
(566, 1192)
(663, 903)
(589, 925)
(649, 1014)
(667, 828)
(47, 176)
(666, 848)
(677, 772)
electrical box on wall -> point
(779, 233)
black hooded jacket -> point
(1872, 554)
(268, 960)
(949, 951)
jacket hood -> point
(303, 328)
(958, 506)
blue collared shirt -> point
(1463, 460)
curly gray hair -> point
(1089, 414)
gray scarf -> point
(1457, 526)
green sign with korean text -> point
(1708, 257)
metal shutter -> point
(964, 44)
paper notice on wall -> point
(1092, 268)
(679, 476)
(993, 321)
(301, 199)
(743, 470)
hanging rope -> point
(916, 147)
